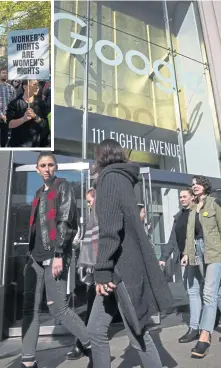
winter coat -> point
(124, 251)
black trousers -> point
(3, 133)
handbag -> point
(179, 294)
(177, 290)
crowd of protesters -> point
(25, 109)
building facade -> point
(143, 73)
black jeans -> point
(35, 277)
(3, 133)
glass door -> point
(24, 185)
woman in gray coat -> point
(127, 273)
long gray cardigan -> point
(124, 252)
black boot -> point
(75, 353)
(35, 365)
(189, 336)
(218, 314)
(79, 351)
(90, 364)
(201, 349)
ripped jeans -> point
(203, 282)
(35, 277)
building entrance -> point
(158, 191)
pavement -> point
(51, 350)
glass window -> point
(186, 32)
(130, 77)
(148, 82)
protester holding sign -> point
(28, 61)
(27, 117)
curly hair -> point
(206, 184)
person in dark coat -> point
(127, 273)
(176, 242)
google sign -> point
(147, 69)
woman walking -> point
(203, 255)
(127, 273)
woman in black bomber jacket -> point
(127, 273)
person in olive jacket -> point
(202, 253)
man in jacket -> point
(176, 242)
(53, 224)
(176, 245)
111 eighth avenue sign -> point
(130, 135)
(28, 54)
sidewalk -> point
(51, 351)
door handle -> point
(19, 243)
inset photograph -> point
(25, 75)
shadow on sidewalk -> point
(132, 359)
(48, 358)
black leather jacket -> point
(66, 220)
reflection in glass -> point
(133, 75)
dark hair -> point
(24, 83)
(92, 192)
(202, 180)
(46, 154)
(187, 189)
(109, 152)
